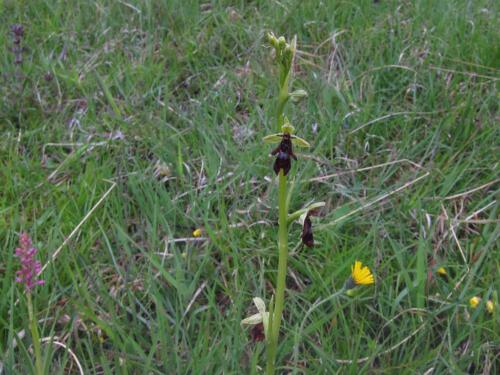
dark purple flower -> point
(257, 332)
(283, 154)
(307, 232)
(18, 33)
(30, 267)
(17, 30)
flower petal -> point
(260, 304)
(361, 275)
(252, 320)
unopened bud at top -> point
(282, 42)
(272, 40)
(298, 95)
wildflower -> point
(474, 301)
(30, 267)
(162, 171)
(359, 276)
(197, 232)
(284, 151)
(442, 272)
(283, 154)
(257, 332)
(17, 30)
(490, 306)
(307, 233)
(262, 317)
(18, 33)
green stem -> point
(282, 267)
(35, 337)
(282, 99)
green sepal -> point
(277, 137)
(297, 141)
(297, 214)
(273, 138)
(272, 40)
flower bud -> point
(298, 95)
(442, 272)
(281, 42)
(474, 301)
(271, 39)
(490, 306)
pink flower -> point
(30, 267)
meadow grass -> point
(135, 122)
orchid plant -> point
(286, 139)
(27, 276)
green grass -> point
(189, 85)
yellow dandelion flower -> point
(197, 232)
(474, 301)
(442, 271)
(490, 306)
(361, 275)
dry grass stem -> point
(326, 177)
(369, 204)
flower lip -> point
(257, 332)
(307, 232)
(284, 153)
(361, 275)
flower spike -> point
(30, 267)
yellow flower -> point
(474, 301)
(197, 232)
(490, 306)
(442, 272)
(361, 275)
